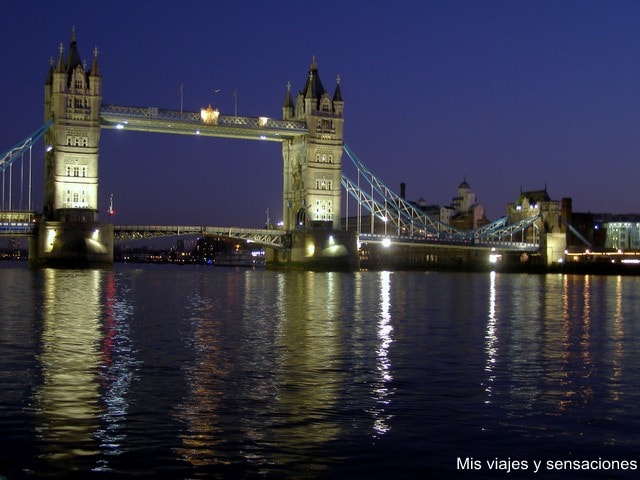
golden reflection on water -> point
(548, 351)
(311, 373)
(67, 403)
(618, 333)
(577, 363)
(286, 358)
(288, 364)
(200, 409)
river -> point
(151, 371)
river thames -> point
(148, 371)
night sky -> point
(507, 95)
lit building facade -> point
(313, 162)
(621, 232)
(72, 98)
(69, 233)
(464, 212)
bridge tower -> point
(313, 163)
(69, 232)
(312, 175)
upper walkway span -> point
(207, 122)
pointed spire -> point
(313, 88)
(73, 57)
(288, 101)
(50, 73)
(337, 95)
(308, 90)
(95, 69)
(60, 64)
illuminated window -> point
(325, 125)
(324, 184)
(325, 104)
(324, 158)
(323, 210)
(76, 170)
(76, 199)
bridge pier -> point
(319, 250)
(71, 244)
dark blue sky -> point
(509, 95)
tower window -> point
(324, 158)
(323, 210)
(324, 184)
(76, 171)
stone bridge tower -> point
(69, 232)
(313, 163)
(72, 97)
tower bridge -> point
(311, 132)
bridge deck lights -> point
(209, 115)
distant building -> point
(620, 231)
(605, 231)
(464, 212)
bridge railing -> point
(273, 238)
(153, 113)
(17, 222)
(450, 242)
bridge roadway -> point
(511, 246)
(207, 123)
(16, 223)
(21, 223)
(277, 239)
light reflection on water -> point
(199, 372)
(68, 400)
(87, 365)
(381, 391)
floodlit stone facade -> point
(313, 162)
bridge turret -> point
(338, 103)
(287, 107)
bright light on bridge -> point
(386, 242)
(209, 115)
